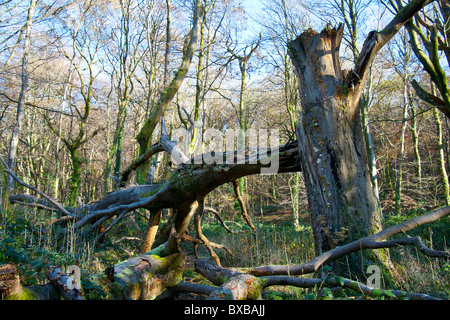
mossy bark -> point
(142, 278)
(75, 177)
(331, 145)
(144, 136)
(12, 289)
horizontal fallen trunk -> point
(149, 275)
(188, 183)
(12, 289)
(141, 278)
(234, 285)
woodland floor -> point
(277, 242)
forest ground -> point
(275, 241)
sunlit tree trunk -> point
(330, 136)
(401, 152)
(444, 175)
(22, 96)
(144, 136)
(331, 143)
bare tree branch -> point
(372, 242)
(55, 203)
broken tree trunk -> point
(342, 204)
(330, 136)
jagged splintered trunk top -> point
(331, 147)
(332, 153)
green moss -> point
(26, 294)
(150, 193)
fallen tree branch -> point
(372, 242)
(102, 235)
(57, 289)
(60, 281)
(242, 204)
(236, 285)
(217, 214)
(186, 184)
(43, 195)
(198, 228)
(140, 278)
(187, 237)
(194, 288)
(332, 282)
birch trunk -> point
(22, 97)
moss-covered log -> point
(12, 289)
(142, 278)
(233, 285)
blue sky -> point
(253, 9)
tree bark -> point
(331, 145)
(22, 97)
(330, 137)
(444, 175)
(142, 278)
(146, 132)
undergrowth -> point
(271, 243)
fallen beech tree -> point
(186, 187)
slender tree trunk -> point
(401, 152)
(168, 42)
(444, 175)
(152, 228)
(22, 97)
(365, 105)
(145, 134)
(294, 188)
(415, 137)
(75, 176)
(198, 86)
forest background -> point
(79, 78)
